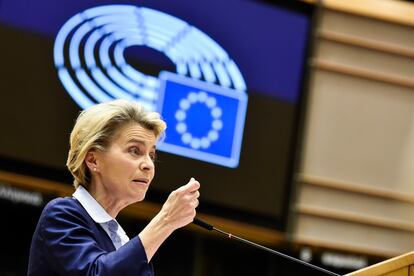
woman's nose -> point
(147, 163)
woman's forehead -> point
(134, 132)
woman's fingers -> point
(192, 186)
(196, 194)
(182, 203)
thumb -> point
(192, 186)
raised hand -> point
(178, 211)
(180, 207)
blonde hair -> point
(96, 127)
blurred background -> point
(323, 170)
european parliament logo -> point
(204, 102)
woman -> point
(111, 157)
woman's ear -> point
(91, 161)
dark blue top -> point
(68, 242)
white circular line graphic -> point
(181, 114)
(89, 56)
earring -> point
(94, 169)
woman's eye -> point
(153, 156)
(134, 150)
(137, 152)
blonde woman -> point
(111, 157)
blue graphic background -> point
(271, 62)
(267, 41)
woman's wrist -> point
(155, 233)
(163, 223)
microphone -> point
(210, 227)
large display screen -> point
(227, 76)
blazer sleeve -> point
(72, 248)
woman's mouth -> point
(142, 181)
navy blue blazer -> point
(68, 242)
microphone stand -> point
(210, 227)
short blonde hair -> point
(96, 127)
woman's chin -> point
(139, 197)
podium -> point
(402, 265)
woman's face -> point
(126, 169)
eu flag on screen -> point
(205, 121)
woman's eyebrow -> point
(137, 141)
